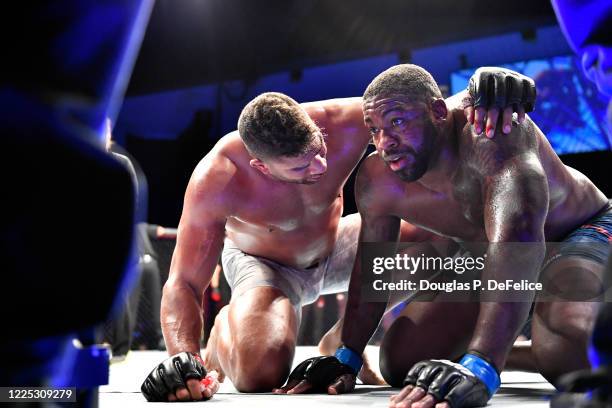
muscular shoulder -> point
(511, 171)
(377, 189)
(334, 110)
(215, 180)
(488, 156)
(343, 115)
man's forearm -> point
(499, 322)
(360, 318)
(181, 318)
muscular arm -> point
(346, 114)
(362, 318)
(199, 242)
(516, 203)
(342, 115)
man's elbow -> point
(525, 225)
(174, 288)
(524, 221)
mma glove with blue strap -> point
(469, 383)
(323, 371)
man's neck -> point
(443, 162)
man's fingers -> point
(171, 397)
(521, 114)
(443, 404)
(218, 376)
(427, 401)
(195, 391)
(301, 388)
(415, 395)
(492, 116)
(403, 393)
(344, 383)
(469, 114)
(507, 119)
(336, 388)
(479, 119)
(182, 394)
(210, 384)
(284, 389)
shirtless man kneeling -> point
(431, 170)
(268, 196)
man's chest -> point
(455, 211)
(288, 209)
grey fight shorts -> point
(301, 286)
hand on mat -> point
(440, 384)
(320, 374)
(181, 377)
(492, 90)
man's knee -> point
(572, 321)
(392, 372)
(260, 367)
(263, 331)
(561, 332)
(395, 358)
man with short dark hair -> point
(269, 197)
(431, 170)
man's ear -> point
(259, 165)
(439, 109)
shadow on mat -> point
(525, 392)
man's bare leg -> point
(210, 355)
(253, 340)
(521, 357)
(425, 330)
(422, 242)
(332, 340)
(561, 329)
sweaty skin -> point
(473, 189)
(293, 224)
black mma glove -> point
(320, 372)
(490, 86)
(172, 374)
(470, 383)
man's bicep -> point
(516, 201)
(380, 228)
(377, 222)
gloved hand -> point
(331, 374)
(173, 374)
(471, 383)
(492, 89)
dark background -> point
(202, 61)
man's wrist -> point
(197, 357)
(483, 369)
(349, 357)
